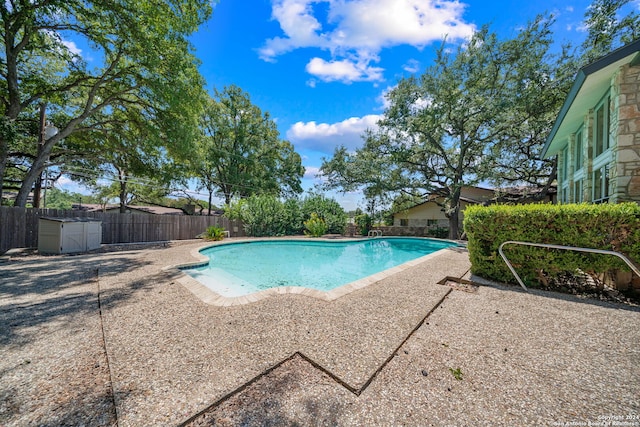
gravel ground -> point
(538, 359)
(111, 339)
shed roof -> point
(74, 219)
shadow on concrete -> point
(43, 290)
(581, 299)
(262, 402)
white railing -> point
(566, 248)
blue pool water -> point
(243, 268)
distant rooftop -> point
(155, 210)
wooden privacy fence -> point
(19, 226)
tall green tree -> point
(143, 56)
(610, 24)
(241, 153)
(131, 149)
(442, 129)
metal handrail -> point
(567, 248)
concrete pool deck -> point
(112, 339)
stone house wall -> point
(626, 174)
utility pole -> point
(37, 187)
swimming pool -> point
(242, 268)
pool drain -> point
(459, 284)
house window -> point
(601, 184)
(577, 191)
(577, 155)
(404, 222)
(601, 127)
(564, 187)
(432, 222)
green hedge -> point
(607, 226)
(268, 215)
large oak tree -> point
(240, 152)
(140, 57)
(458, 122)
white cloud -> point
(65, 183)
(311, 172)
(374, 24)
(299, 26)
(354, 32)
(68, 45)
(325, 137)
(63, 180)
(345, 70)
(71, 46)
(383, 97)
(412, 66)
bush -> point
(214, 233)
(315, 226)
(613, 227)
(328, 209)
(268, 216)
(261, 215)
(438, 232)
(364, 223)
(293, 218)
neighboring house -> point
(431, 214)
(155, 210)
(597, 133)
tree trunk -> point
(547, 186)
(453, 224)
(13, 107)
(123, 196)
(210, 198)
(37, 190)
(38, 166)
(454, 214)
(4, 152)
(32, 175)
(41, 126)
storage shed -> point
(68, 235)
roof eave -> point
(581, 77)
(575, 89)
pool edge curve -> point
(208, 296)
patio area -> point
(110, 338)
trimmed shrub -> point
(613, 227)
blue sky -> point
(321, 68)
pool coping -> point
(211, 297)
